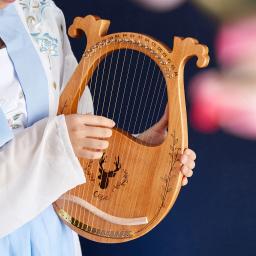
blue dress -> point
(46, 235)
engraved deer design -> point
(104, 175)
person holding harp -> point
(39, 149)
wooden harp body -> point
(133, 187)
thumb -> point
(163, 122)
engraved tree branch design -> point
(173, 154)
(173, 158)
(88, 171)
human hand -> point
(156, 135)
(188, 164)
(88, 134)
(4, 3)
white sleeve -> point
(36, 168)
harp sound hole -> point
(128, 87)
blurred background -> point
(216, 213)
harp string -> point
(162, 95)
(146, 100)
(101, 86)
(117, 94)
(162, 101)
(79, 111)
(76, 189)
(93, 84)
(100, 90)
(137, 110)
(129, 98)
(146, 126)
(133, 105)
(131, 116)
(113, 137)
(154, 93)
(112, 86)
(119, 85)
(91, 81)
(140, 154)
(118, 114)
(81, 212)
(117, 97)
(143, 89)
(125, 86)
(108, 79)
(96, 107)
(66, 206)
(118, 143)
(122, 104)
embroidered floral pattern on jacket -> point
(35, 4)
(34, 11)
(17, 120)
(47, 44)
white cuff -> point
(64, 135)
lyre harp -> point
(134, 185)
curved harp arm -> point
(183, 50)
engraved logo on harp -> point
(105, 175)
(93, 175)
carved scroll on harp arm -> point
(189, 47)
(94, 28)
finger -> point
(88, 154)
(184, 181)
(93, 132)
(93, 120)
(186, 171)
(95, 144)
(190, 153)
(185, 160)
